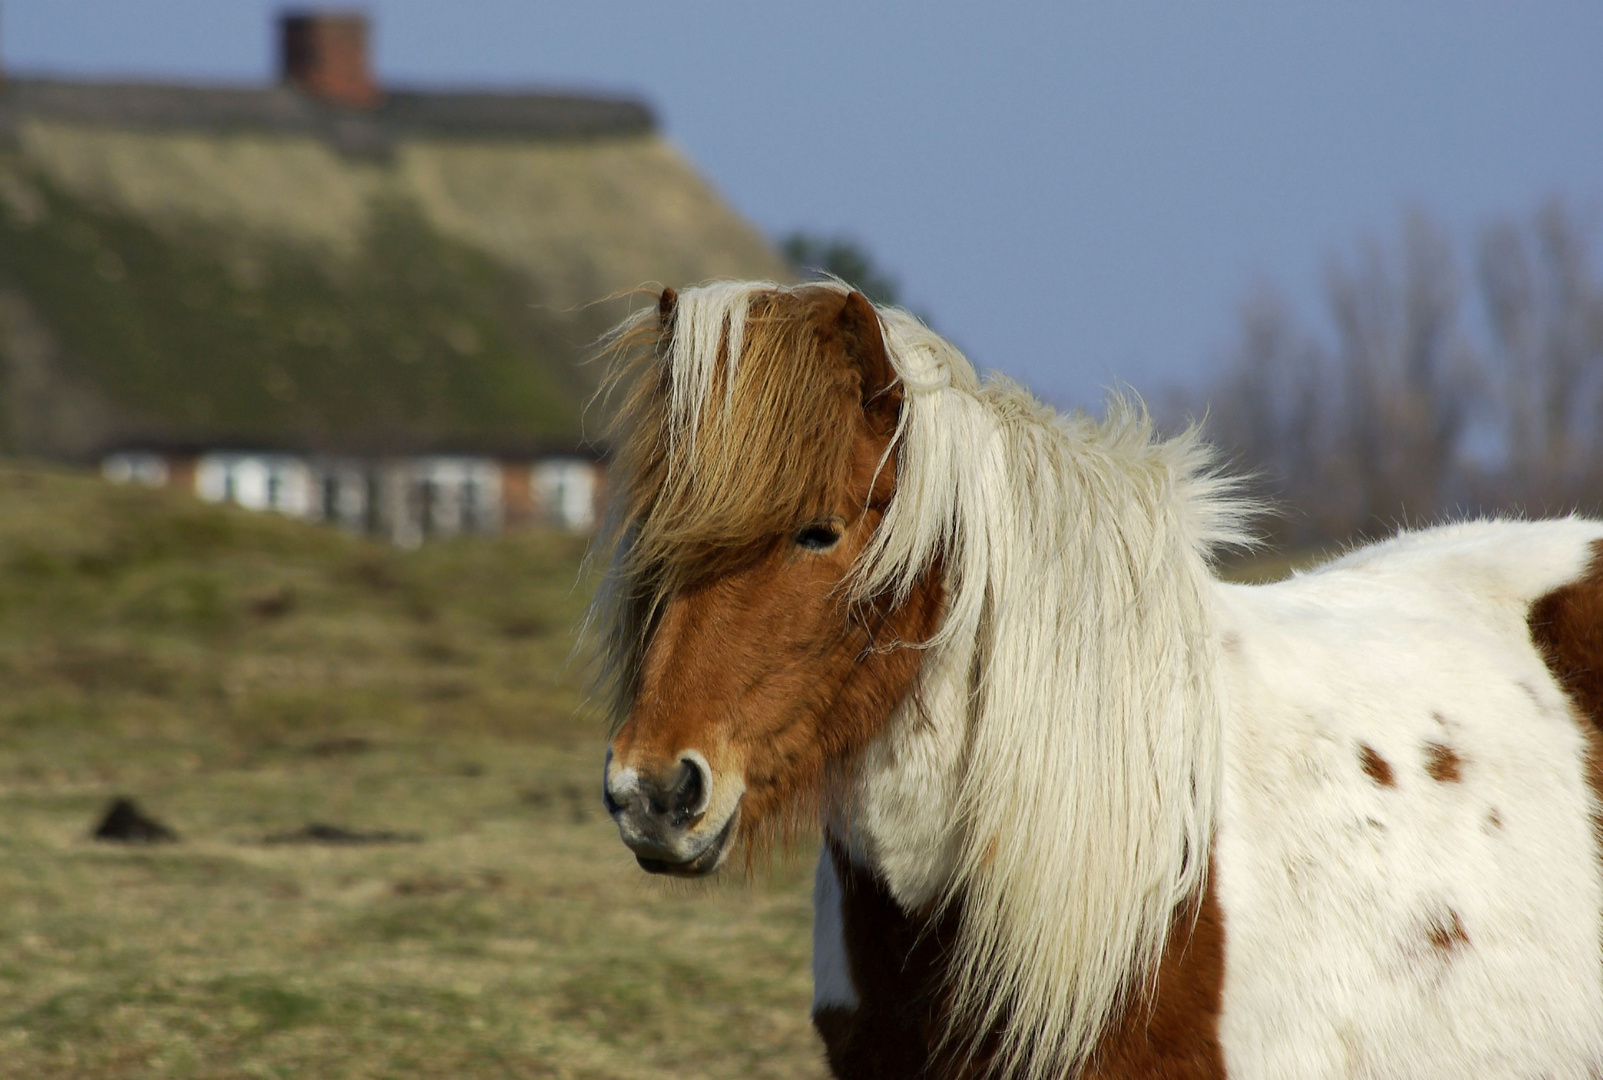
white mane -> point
(1078, 625)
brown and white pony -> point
(1087, 810)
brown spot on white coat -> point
(1446, 932)
(1442, 763)
(1375, 766)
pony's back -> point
(1406, 857)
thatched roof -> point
(401, 113)
(186, 264)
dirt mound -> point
(124, 823)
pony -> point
(1086, 809)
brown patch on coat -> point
(1567, 628)
(1173, 1031)
(898, 967)
(1494, 819)
(1446, 933)
(1442, 763)
(1374, 766)
(901, 1026)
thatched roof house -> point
(327, 266)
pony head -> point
(755, 463)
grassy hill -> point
(243, 676)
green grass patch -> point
(425, 693)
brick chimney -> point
(325, 54)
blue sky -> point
(1077, 193)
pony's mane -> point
(1077, 627)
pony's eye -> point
(820, 537)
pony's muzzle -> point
(662, 815)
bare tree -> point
(1406, 373)
(1268, 409)
(1545, 309)
(1401, 418)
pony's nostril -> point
(672, 801)
(689, 792)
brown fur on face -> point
(745, 645)
(777, 450)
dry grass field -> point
(242, 677)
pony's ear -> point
(865, 349)
(666, 304)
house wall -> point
(280, 482)
(517, 494)
(406, 499)
(565, 492)
(427, 497)
(150, 470)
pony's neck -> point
(1057, 766)
(900, 814)
(899, 818)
